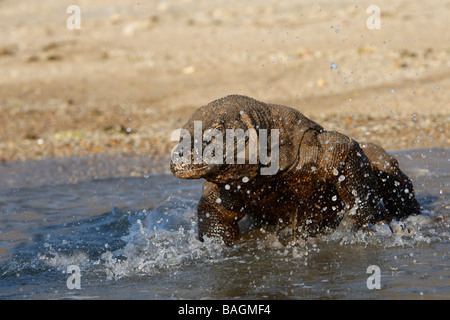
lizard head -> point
(216, 141)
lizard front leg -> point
(395, 188)
(346, 166)
(219, 212)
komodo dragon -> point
(323, 177)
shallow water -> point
(135, 238)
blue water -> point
(135, 238)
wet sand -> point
(135, 71)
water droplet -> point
(245, 179)
(227, 187)
(333, 66)
(218, 200)
(341, 178)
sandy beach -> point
(135, 71)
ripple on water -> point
(146, 245)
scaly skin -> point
(322, 175)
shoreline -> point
(52, 171)
(134, 73)
(392, 133)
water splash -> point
(164, 238)
(159, 245)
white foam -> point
(155, 244)
(165, 239)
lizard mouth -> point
(191, 171)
